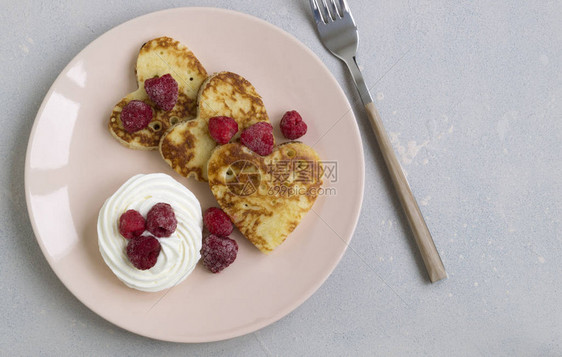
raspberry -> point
(143, 251)
(222, 129)
(217, 222)
(136, 115)
(258, 138)
(131, 224)
(161, 220)
(218, 253)
(292, 125)
(163, 91)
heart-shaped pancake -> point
(156, 58)
(265, 196)
(187, 146)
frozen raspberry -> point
(218, 253)
(222, 129)
(136, 115)
(143, 251)
(217, 222)
(161, 220)
(292, 125)
(131, 224)
(163, 91)
(258, 138)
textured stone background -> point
(470, 93)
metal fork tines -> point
(338, 32)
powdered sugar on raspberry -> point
(222, 129)
(131, 224)
(136, 115)
(163, 91)
(218, 253)
(258, 138)
(143, 251)
(217, 222)
(292, 125)
(161, 220)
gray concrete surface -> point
(471, 94)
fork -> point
(339, 35)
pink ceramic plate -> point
(73, 164)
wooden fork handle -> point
(425, 243)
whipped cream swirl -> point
(180, 252)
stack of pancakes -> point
(271, 209)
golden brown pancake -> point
(266, 197)
(187, 146)
(158, 57)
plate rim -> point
(250, 327)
